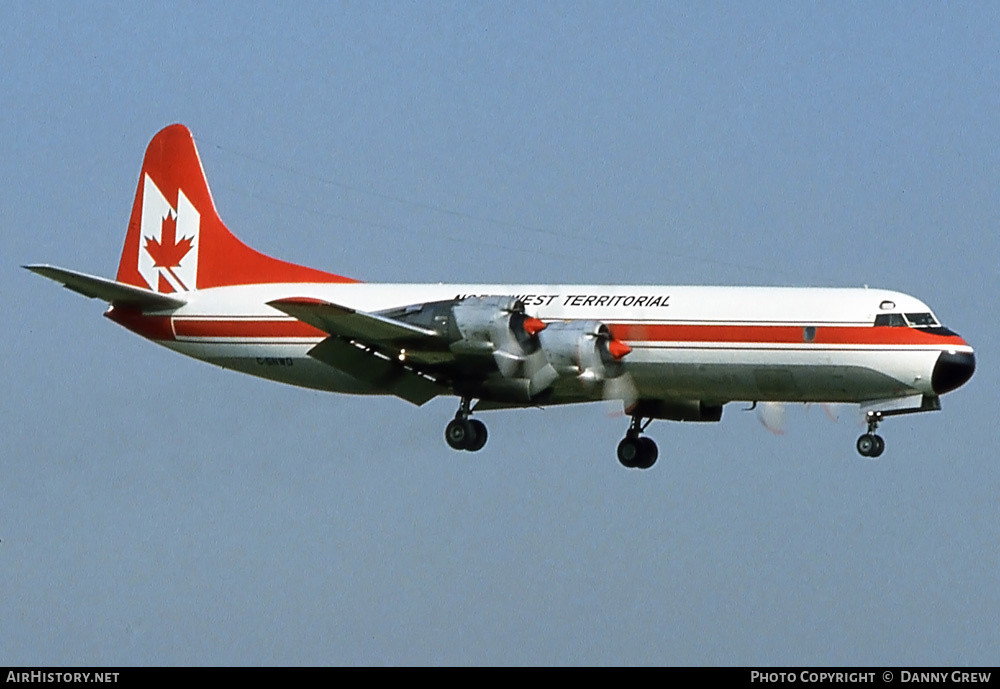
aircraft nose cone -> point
(952, 370)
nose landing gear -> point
(871, 444)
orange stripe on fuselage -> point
(165, 328)
(150, 327)
(244, 328)
(779, 334)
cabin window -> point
(892, 320)
(809, 333)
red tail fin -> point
(176, 241)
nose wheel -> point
(871, 444)
(463, 433)
(637, 451)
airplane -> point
(678, 353)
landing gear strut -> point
(463, 433)
(871, 444)
(636, 451)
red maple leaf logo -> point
(169, 252)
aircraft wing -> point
(343, 321)
(362, 344)
(113, 292)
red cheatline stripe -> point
(778, 334)
(245, 328)
(158, 327)
(150, 327)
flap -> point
(380, 372)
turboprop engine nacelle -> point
(499, 326)
(585, 349)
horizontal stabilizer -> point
(346, 322)
(113, 292)
(382, 373)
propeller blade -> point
(772, 416)
(541, 379)
(510, 364)
(621, 393)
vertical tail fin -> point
(176, 241)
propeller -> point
(772, 414)
(518, 352)
(618, 388)
(620, 393)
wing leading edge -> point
(343, 321)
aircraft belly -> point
(779, 375)
(284, 363)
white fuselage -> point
(716, 344)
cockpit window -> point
(893, 320)
(921, 320)
(925, 322)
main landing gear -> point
(871, 444)
(463, 433)
(636, 451)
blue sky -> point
(155, 510)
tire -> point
(866, 445)
(629, 452)
(479, 437)
(648, 453)
(458, 433)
